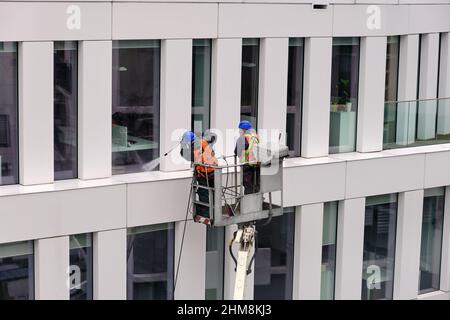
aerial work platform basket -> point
(229, 203)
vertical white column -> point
(36, 112)
(407, 251)
(316, 97)
(308, 251)
(94, 109)
(110, 265)
(226, 92)
(407, 88)
(428, 81)
(273, 88)
(350, 243)
(445, 267)
(191, 276)
(176, 109)
(51, 268)
(443, 124)
(372, 76)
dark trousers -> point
(251, 178)
(203, 194)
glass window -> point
(379, 247)
(17, 271)
(275, 258)
(215, 245)
(81, 257)
(249, 80)
(201, 84)
(344, 94)
(294, 96)
(65, 104)
(9, 146)
(150, 255)
(329, 236)
(431, 246)
(135, 105)
(391, 88)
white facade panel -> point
(349, 250)
(40, 21)
(94, 109)
(408, 243)
(52, 214)
(110, 265)
(238, 20)
(308, 251)
(176, 84)
(443, 123)
(36, 112)
(51, 258)
(436, 174)
(429, 18)
(164, 20)
(371, 94)
(273, 74)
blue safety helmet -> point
(188, 136)
(244, 124)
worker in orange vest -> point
(204, 155)
(246, 150)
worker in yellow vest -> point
(246, 151)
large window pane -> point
(391, 85)
(431, 247)
(294, 96)
(150, 262)
(201, 84)
(249, 80)
(344, 94)
(379, 247)
(65, 109)
(9, 149)
(215, 245)
(135, 105)
(17, 271)
(330, 215)
(81, 256)
(275, 258)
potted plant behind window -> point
(345, 99)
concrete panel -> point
(157, 202)
(349, 252)
(372, 76)
(110, 265)
(226, 92)
(408, 244)
(443, 123)
(176, 84)
(384, 175)
(273, 71)
(308, 252)
(429, 18)
(51, 258)
(445, 266)
(191, 276)
(316, 97)
(435, 173)
(36, 112)
(369, 20)
(94, 109)
(313, 183)
(33, 21)
(164, 20)
(273, 20)
(52, 214)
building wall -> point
(41, 209)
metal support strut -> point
(245, 237)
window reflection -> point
(329, 236)
(215, 245)
(81, 256)
(249, 80)
(135, 105)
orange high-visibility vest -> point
(205, 155)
